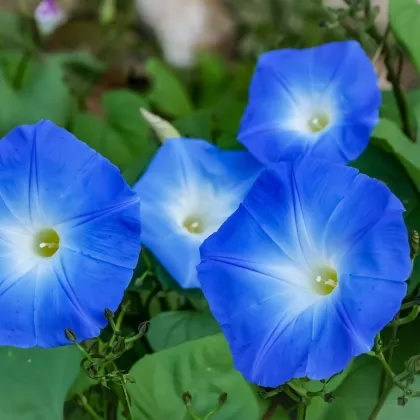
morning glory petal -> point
(334, 340)
(358, 205)
(64, 292)
(58, 196)
(367, 315)
(189, 189)
(278, 274)
(373, 253)
(320, 101)
(17, 300)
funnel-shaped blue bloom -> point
(309, 268)
(189, 189)
(320, 101)
(69, 237)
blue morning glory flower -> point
(189, 189)
(320, 101)
(307, 271)
(69, 237)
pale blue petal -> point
(369, 303)
(77, 289)
(334, 340)
(17, 300)
(189, 177)
(51, 180)
(272, 203)
(365, 203)
(253, 309)
(258, 271)
(381, 252)
(338, 77)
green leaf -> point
(355, 398)
(228, 142)
(34, 382)
(81, 384)
(213, 78)
(45, 96)
(196, 125)
(167, 93)
(228, 115)
(195, 296)
(202, 367)
(11, 31)
(390, 136)
(382, 165)
(404, 16)
(123, 136)
(389, 107)
(169, 329)
(358, 394)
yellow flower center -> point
(46, 243)
(194, 224)
(325, 280)
(318, 122)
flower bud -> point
(119, 345)
(223, 398)
(107, 12)
(329, 397)
(187, 398)
(109, 314)
(70, 335)
(402, 401)
(49, 16)
(144, 328)
(414, 243)
(412, 365)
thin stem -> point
(379, 404)
(410, 317)
(21, 70)
(147, 260)
(393, 77)
(408, 305)
(88, 408)
(389, 371)
(291, 395)
(118, 324)
(301, 413)
(191, 413)
(271, 410)
(212, 412)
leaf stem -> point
(118, 324)
(393, 77)
(301, 413)
(410, 317)
(191, 413)
(88, 408)
(379, 404)
(21, 70)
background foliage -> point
(97, 95)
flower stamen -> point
(326, 281)
(318, 122)
(46, 243)
(194, 225)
